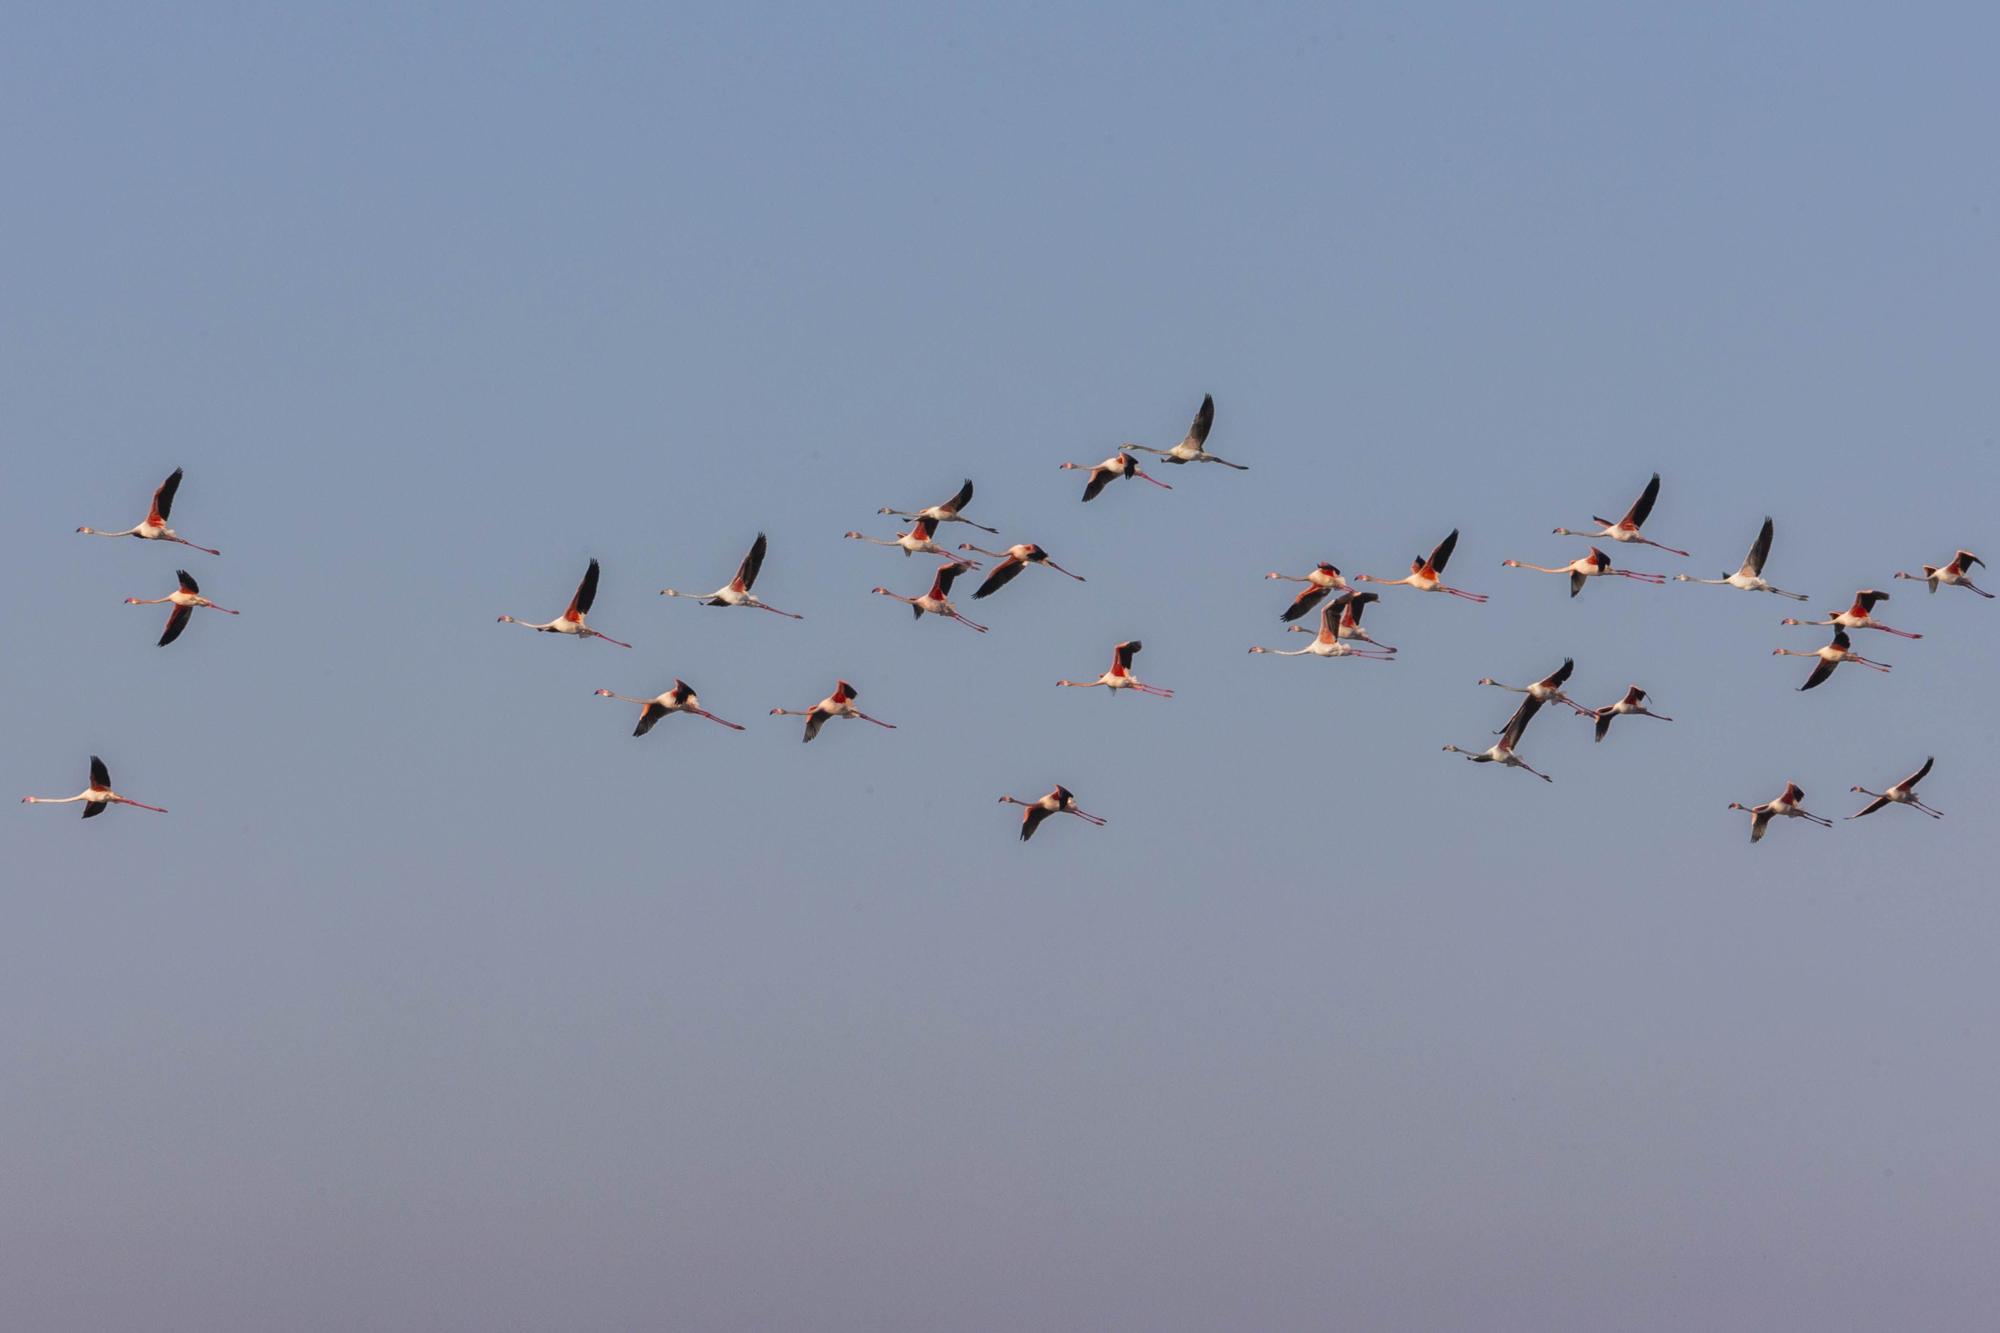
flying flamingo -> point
(937, 601)
(1584, 568)
(920, 537)
(1952, 575)
(1423, 575)
(1323, 579)
(1549, 689)
(1350, 605)
(1190, 449)
(571, 621)
(1903, 793)
(838, 704)
(1502, 750)
(1750, 577)
(737, 591)
(1120, 464)
(1633, 703)
(1012, 561)
(1627, 528)
(1327, 642)
(1858, 616)
(1830, 657)
(1784, 806)
(155, 528)
(1120, 676)
(1057, 802)
(680, 699)
(948, 512)
(96, 796)
(185, 599)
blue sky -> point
(439, 1002)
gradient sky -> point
(440, 1003)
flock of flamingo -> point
(1339, 632)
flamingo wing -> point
(1003, 574)
(1820, 672)
(1441, 556)
(586, 593)
(163, 498)
(177, 620)
(100, 776)
(1919, 775)
(187, 582)
(1099, 479)
(746, 573)
(1123, 654)
(1303, 604)
(959, 500)
(649, 715)
(1642, 508)
(1031, 819)
(1760, 550)
(1204, 419)
(815, 719)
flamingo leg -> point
(1460, 592)
(126, 800)
(876, 720)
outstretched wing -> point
(815, 719)
(1576, 582)
(1125, 652)
(1871, 807)
(163, 498)
(586, 593)
(746, 573)
(1561, 674)
(1510, 735)
(100, 776)
(177, 620)
(1003, 574)
(946, 576)
(1821, 670)
(1760, 550)
(1604, 716)
(1099, 479)
(1760, 819)
(187, 582)
(648, 715)
(1865, 599)
(1205, 418)
(961, 499)
(1031, 819)
(1919, 775)
(1635, 517)
(1303, 604)
(1442, 555)
(92, 809)
(1357, 602)
(1329, 618)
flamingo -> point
(1634, 703)
(1750, 577)
(1012, 561)
(185, 599)
(1423, 575)
(1627, 528)
(1120, 676)
(1830, 657)
(737, 591)
(920, 537)
(1858, 616)
(937, 601)
(1190, 449)
(1350, 605)
(155, 528)
(1903, 793)
(1584, 568)
(1786, 806)
(96, 796)
(1058, 802)
(948, 512)
(1327, 642)
(572, 620)
(838, 704)
(1502, 750)
(1549, 689)
(1120, 464)
(680, 699)
(1952, 575)
(1323, 579)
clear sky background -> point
(440, 1003)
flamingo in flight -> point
(155, 528)
(948, 512)
(1903, 793)
(572, 621)
(838, 704)
(1953, 575)
(1549, 689)
(1831, 656)
(1323, 579)
(1120, 464)
(96, 796)
(1627, 528)
(1423, 575)
(1191, 448)
(680, 699)
(1784, 806)
(185, 599)
(1584, 568)
(1120, 676)
(1327, 642)
(1633, 704)
(737, 592)
(1012, 561)
(1350, 605)
(1859, 616)
(921, 537)
(1750, 577)
(937, 601)
(1057, 802)
(1502, 750)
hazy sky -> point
(440, 1003)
